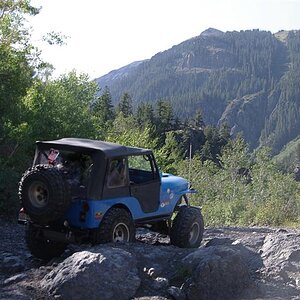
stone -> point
(105, 273)
(218, 272)
(281, 256)
(176, 293)
(10, 263)
(14, 279)
(160, 283)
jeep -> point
(90, 191)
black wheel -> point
(117, 226)
(44, 194)
(187, 228)
(41, 247)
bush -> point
(271, 198)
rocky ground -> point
(232, 263)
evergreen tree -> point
(103, 112)
(198, 122)
(145, 114)
(164, 116)
(125, 105)
(215, 140)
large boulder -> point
(217, 272)
(105, 273)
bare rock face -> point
(217, 272)
(106, 273)
(281, 255)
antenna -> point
(190, 163)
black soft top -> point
(108, 149)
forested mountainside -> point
(247, 79)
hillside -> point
(289, 154)
(247, 79)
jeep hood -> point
(175, 183)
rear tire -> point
(116, 226)
(41, 247)
(187, 228)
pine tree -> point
(103, 108)
(125, 105)
(145, 114)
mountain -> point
(118, 74)
(248, 80)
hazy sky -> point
(108, 34)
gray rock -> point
(176, 293)
(10, 263)
(105, 273)
(14, 294)
(160, 283)
(281, 256)
(15, 279)
(216, 273)
(250, 257)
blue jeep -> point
(88, 191)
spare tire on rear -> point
(44, 194)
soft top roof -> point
(109, 149)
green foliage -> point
(125, 105)
(169, 154)
(145, 114)
(215, 140)
(55, 38)
(289, 157)
(16, 70)
(60, 108)
(126, 131)
(12, 18)
(271, 198)
(103, 113)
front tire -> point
(187, 228)
(41, 247)
(117, 226)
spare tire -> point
(44, 194)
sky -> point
(104, 35)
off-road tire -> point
(44, 194)
(187, 228)
(116, 226)
(41, 247)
